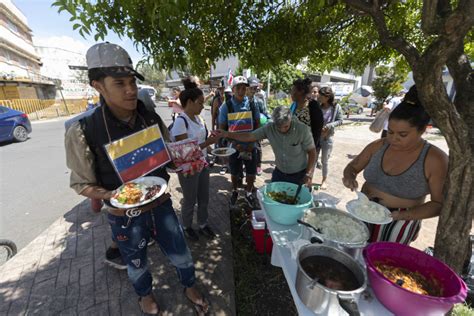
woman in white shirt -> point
(195, 187)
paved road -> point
(34, 183)
(34, 180)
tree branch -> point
(433, 14)
(429, 22)
(451, 36)
(463, 76)
(396, 42)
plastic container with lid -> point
(261, 236)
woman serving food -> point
(400, 171)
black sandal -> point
(148, 314)
(198, 308)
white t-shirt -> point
(392, 104)
(194, 130)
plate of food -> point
(369, 212)
(139, 192)
(223, 152)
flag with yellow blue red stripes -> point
(138, 154)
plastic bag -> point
(187, 156)
(379, 120)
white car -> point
(151, 91)
(362, 95)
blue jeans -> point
(162, 225)
(326, 149)
(296, 178)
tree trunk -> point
(454, 226)
(455, 122)
(455, 221)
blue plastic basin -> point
(286, 214)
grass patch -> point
(260, 288)
(462, 310)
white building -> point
(220, 70)
(20, 64)
(69, 67)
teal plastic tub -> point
(286, 214)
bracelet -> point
(309, 174)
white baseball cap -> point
(239, 80)
(112, 59)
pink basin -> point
(403, 302)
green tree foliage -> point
(263, 34)
(388, 82)
(424, 36)
(281, 77)
(153, 75)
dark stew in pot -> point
(330, 273)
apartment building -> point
(20, 64)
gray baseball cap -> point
(112, 59)
(253, 81)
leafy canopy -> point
(152, 74)
(388, 82)
(184, 33)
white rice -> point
(369, 211)
(337, 227)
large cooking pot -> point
(353, 248)
(320, 298)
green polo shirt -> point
(291, 149)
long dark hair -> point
(411, 110)
(190, 92)
(327, 91)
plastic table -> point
(281, 257)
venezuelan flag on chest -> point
(240, 121)
(138, 154)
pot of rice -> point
(338, 229)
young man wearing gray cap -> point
(112, 74)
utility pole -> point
(268, 84)
(60, 88)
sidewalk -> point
(61, 272)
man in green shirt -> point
(292, 143)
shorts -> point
(236, 164)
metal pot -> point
(321, 299)
(354, 249)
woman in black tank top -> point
(386, 164)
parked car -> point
(362, 95)
(352, 108)
(151, 91)
(14, 125)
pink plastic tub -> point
(403, 302)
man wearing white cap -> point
(240, 114)
(93, 175)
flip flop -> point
(159, 313)
(198, 307)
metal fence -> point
(38, 109)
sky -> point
(51, 28)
